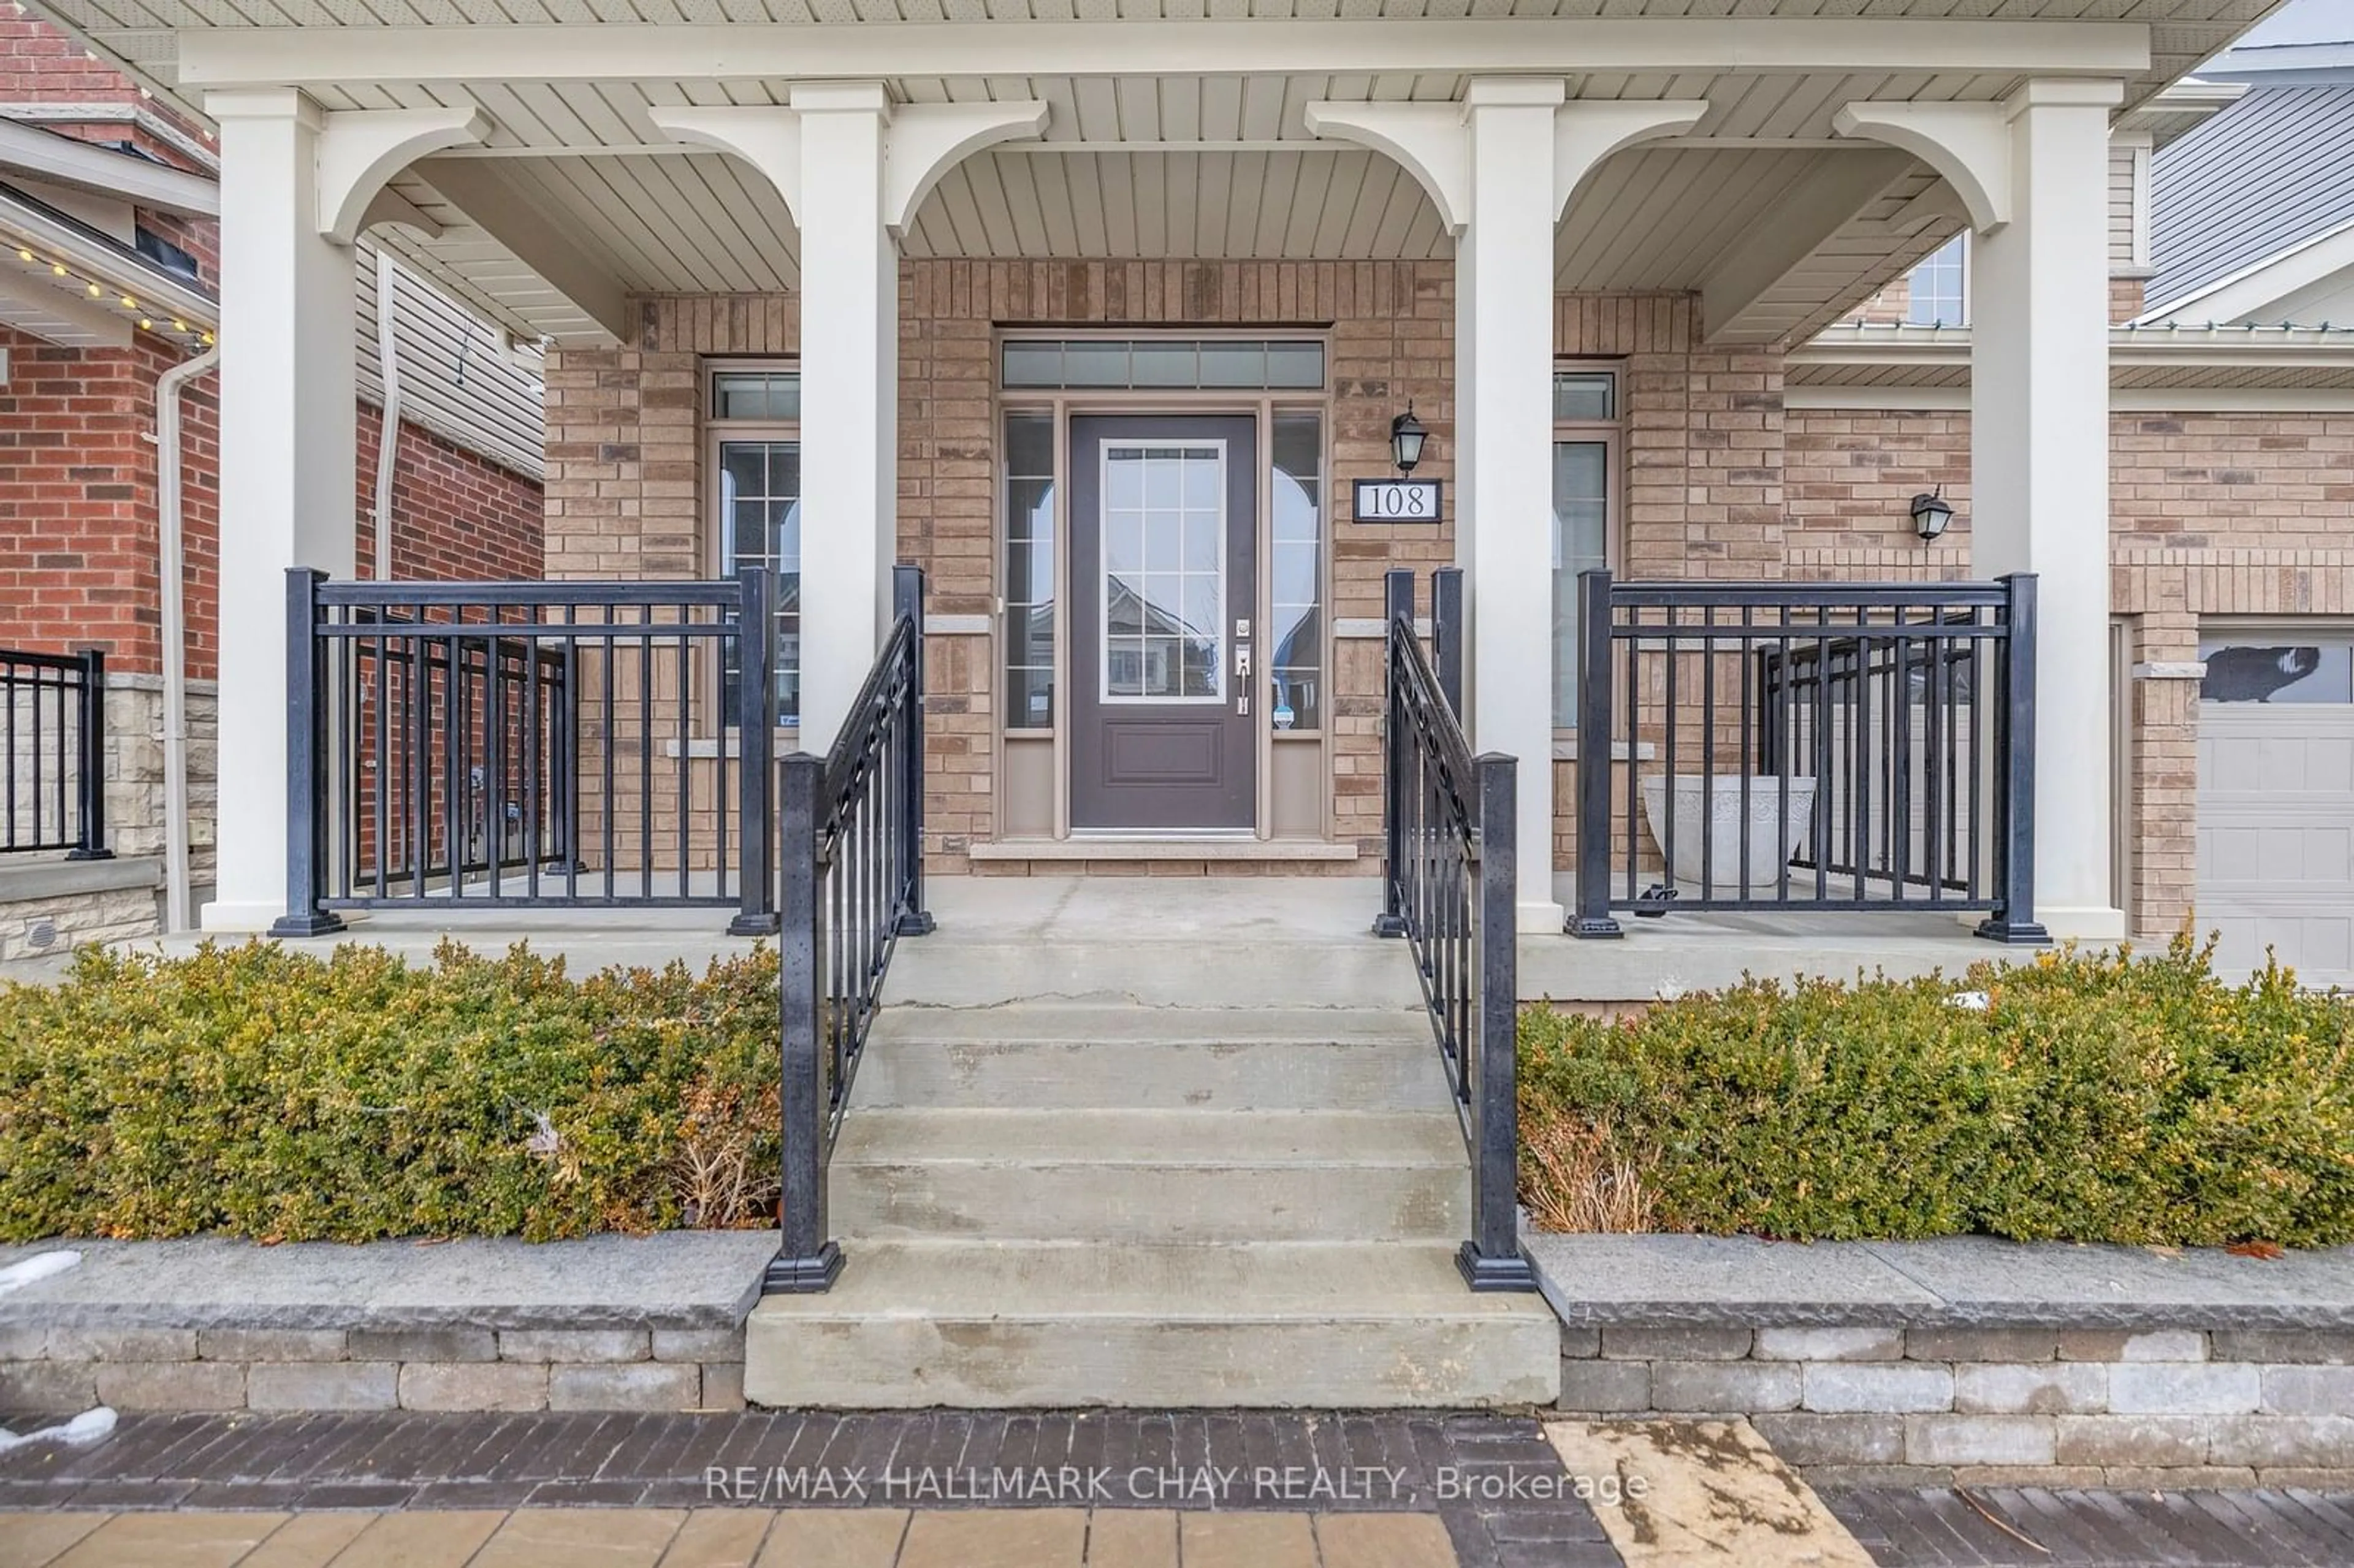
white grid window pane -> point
(1938, 294)
(760, 526)
(1581, 542)
(1164, 573)
(1296, 596)
(1029, 499)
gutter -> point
(387, 440)
(171, 564)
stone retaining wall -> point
(66, 1370)
(1912, 1405)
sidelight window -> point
(756, 460)
(1585, 503)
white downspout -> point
(170, 565)
(387, 443)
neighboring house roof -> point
(72, 204)
(2267, 177)
(2141, 358)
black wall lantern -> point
(1931, 513)
(1406, 436)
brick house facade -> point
(79, 511)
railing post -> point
(1491, 1259)
(907, 600)
(1446, 634)
(756, 751)
(89, 782)
(809, 1258)
(1397, 604)
(1593, 918)
(2015, 923)
(306, 757)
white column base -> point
(240, 919)
(1548, 919)
(2083, 924)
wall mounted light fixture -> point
(1931, 513)
(1406, 436)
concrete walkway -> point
(726, 1538)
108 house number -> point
(1395, 501)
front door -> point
(1163, 546)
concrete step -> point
(965, 969)
(1150, 1175)
(994, 1324)
(1034, 1056)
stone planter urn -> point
(1769, 807)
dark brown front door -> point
(1163, 532)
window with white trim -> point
(1585, 430)
(754, 441)
(1939, 291)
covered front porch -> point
(1487, 222)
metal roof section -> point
(57, 159)
(2141, 356)
(2273, 171)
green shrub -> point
(276, 1095)
(2094, 1097)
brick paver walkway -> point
(1493, 1483)
(983, 1490)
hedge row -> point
(2097, 1096)
(272, 1094)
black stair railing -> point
(53, 732)
(529, 745)
(1849, 746)
(1448, 828)
(852, 885)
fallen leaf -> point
(2265, 1250)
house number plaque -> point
(1396, 501)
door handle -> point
(1242, 659)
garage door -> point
(2276, 802)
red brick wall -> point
(78, 503)
(39, 63)
(456, 517)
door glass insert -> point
(1165, 581)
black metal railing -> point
(53, 730)
(529, 745)
(1807, 746)
(852, 885)
(1448, 830)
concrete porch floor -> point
(1686, 950)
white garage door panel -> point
(2277, 835)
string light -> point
(192, 336)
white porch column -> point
(2040, 468)
(287, 463)
(1504, 460)
(850, 396)
(1501, 168)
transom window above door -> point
(1162, 365)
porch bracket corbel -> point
(1585, 134)
(1428, 140)
(926, 140)
(360, 150)
(1968, 144)
(768, 138)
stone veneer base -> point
(608, 1323)
(1973, 1362)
